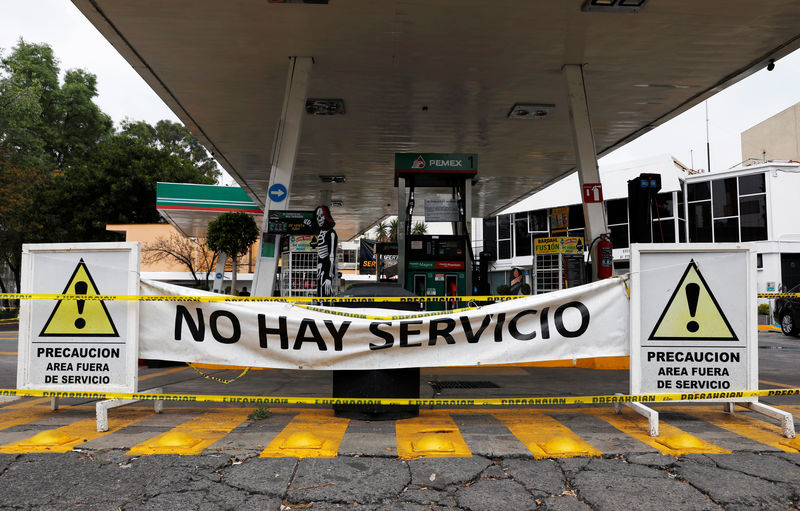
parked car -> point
(787, 312)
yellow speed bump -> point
(740, 424)
(174, 439)
(66, 438)
(311, 434)
(794, 443)
(544, 436)
(193, 436)
(432, 443)
(638, 427)
(681, 441)
(433, 434)
(50, 438)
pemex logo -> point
(419, 163)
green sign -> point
(421, 265)
(436, 162)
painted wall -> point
(777, 138)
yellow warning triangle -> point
(80, 318)
(692, 313)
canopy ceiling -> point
(432, 76)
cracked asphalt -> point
(110, 480)
(366, 476)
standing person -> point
(326, 251)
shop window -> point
(504, 237)
(617, 211)
(726, 230)
(698, 191)
(522, 237)
(753, 215)
(700, 222)
(749, 185)
(490, 236)
(664, 231)
(664, 205)
(619, 235)
(538, 221)
(576, 220)
(725, 198)
(504, 249)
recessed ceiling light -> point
(318, 106)
(298, 1)
(336, 204)
(333, 179)
(661, 86)
(630, 6)
(530, 111)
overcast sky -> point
(123, 94)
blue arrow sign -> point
(277, 192)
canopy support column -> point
(586, 155)
(280, 176)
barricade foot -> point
(102, 407)
(785, 418)
(729, 407)
(8, 399)
(53, 403)
(652, 415)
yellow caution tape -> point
(384, 318)
(227, 298)
(555, 400)
(289, 299)
(214, 378)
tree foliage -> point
(64, 171)
(234, 234)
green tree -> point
(382, 232)
(419, 228)
(393, 226)
(64, 172)
(233, 234)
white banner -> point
(585, 321)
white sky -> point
(123, 94)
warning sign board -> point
(692, 312)
(78, 344)
(693, 324)
(80, 318)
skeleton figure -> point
(326, 251)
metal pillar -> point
(586, 156)
(401, 231)
(219, 274)
(280, 176)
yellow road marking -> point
(433, 434)
(8, 353)
(18, 414)
(311, 434)
(162, 373)
(777, 384)
(742, 425)
(544, 436)
(637, 426)
(25, 404)
(205, 429)
(76, 433)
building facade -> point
(749, 204)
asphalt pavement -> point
(219, 456)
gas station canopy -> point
(438, 76)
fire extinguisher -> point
(604, 256)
